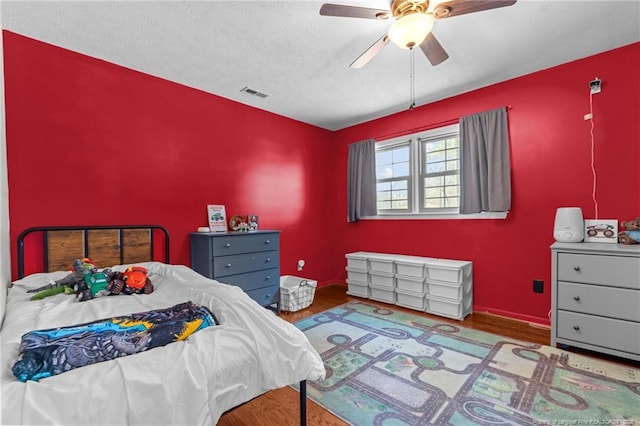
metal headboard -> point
(86, 238)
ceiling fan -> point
(413, 23)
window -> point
(393, 175)
(419, 173)
(440, 172)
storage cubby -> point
(441, 287)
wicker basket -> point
(296, 293)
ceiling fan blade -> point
(451, 8)
(370, 52)
(329, 9)
(433, 50)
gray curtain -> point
(361, 180)
(485, 172)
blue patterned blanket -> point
(45, 353)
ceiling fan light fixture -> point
(411, 30)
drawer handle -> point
(576, 268)
(268, 278)
(576, 298)
(268, 259)
(228, 265)
(576, 327)
(227, 245)
(268, 242)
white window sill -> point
(453, 216)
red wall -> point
(89, 142)
(551, 168)
(73, 123)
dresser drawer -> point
(616, 271)
(239, 263)
(611, 302)
(254, 280)
(265, 296)
(599, 331)
(248, 243)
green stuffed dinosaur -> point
(80, 268)
(52, 292)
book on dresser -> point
(249, 260)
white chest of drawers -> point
(441, 287)
(595, 299)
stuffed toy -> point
(87, 282)
(79, 269)
(94, 284)
(632, 233)
(134, 280)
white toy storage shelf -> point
(438, 286)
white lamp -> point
(411, 30)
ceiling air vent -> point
(254, 92)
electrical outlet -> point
(538, 286)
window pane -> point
(432, 157)
(452, 165)
(434, 181)
(433, 203)
(401, 169)
(384, 205)
(399, 204)
(383, 186)
(451, 191)
(434, 192)
(451, 180)
(384, 196)
(452, 154)
(383, 157)
(435, 167)
(400, 154)
(452, 143)
(383, 172)
(452, 202)
(435, 146)
(399, 184)
(399, 195)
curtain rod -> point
(421, 128)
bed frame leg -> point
(303, 403)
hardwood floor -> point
(281, 406)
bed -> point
(250, 351)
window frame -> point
(416, 176)
(441, 133)
(391, 145)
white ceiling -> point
(301, 59)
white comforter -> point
(192, 382)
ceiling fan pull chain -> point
(412, 79)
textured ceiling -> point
(301, 59)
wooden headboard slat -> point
(107, 245)
(137, 244)
(60, 246)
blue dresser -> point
(250, 260)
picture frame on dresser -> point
(601, 231)
(217, 217)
